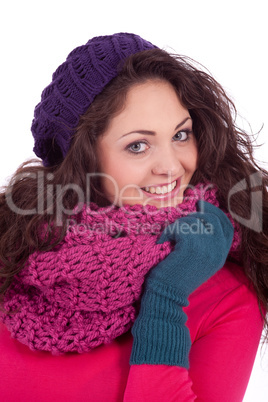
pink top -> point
(225, 326)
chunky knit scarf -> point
(85, 291)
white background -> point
(229, 38)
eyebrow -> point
(148, 132)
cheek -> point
(124, 170)
(190, 162)
(194, 162)
(118, 174)
(109, 164)
(193, 158)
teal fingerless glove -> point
(202, 242)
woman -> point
(151, 141)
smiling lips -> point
(161, 190)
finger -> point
(170, 233)
(205, 207)
(181, 227)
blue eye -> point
(137, 147)
(182, 135)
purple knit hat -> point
(75, 84)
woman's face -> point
(148, 154)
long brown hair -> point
(225, 159)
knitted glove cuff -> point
(160, 334)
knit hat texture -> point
(75, 84)
(85, 292)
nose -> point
(167, 162)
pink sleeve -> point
(221, 357)
(158, 383)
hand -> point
(202, 242)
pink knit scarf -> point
(85, 291)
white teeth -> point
(161, 190)
(164, 189)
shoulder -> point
(226, 298)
